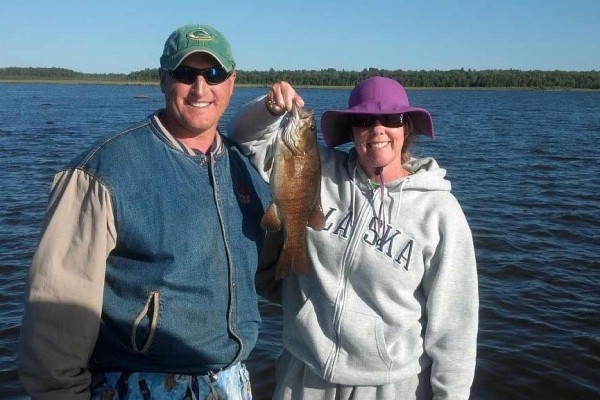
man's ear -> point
(232, 77)
(162, 74)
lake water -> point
(525, 166)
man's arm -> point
(63, 299)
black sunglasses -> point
(188, 75)
(368, 120)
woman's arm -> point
(451, 287)
(254, 128)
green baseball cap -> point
(196, 39)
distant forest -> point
(458, 78)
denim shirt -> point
(179, 292)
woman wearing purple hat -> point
(390, 307)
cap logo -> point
(199, 34)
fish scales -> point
(296, 189)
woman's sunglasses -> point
(368, 120)
(188, 75)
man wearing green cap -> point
(142, 285)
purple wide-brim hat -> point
(377, 95)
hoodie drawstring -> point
(400, 198)
(353, 198)
(381, 217)
(381, 212)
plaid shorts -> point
(230, 384)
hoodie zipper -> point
(340, 300)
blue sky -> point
(123, 36)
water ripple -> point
(528, 185)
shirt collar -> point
(214, 148)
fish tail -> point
(292, 261)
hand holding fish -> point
(282, 97)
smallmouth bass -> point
(296, 190)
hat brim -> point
(178, 58)
(336, 127)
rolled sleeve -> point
(254, 130)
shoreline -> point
(247, 85)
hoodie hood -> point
(426, 174)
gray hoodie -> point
(380, 305)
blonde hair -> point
(408, 140)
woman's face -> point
(378, 141)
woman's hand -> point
(281, 97)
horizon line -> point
(330, 68)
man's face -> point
(195, 109)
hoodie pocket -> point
(144, 325)
(356, 354)
(309, 336)
(362, 343)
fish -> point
(295, 182)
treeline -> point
(435, 79)
(459, 78)
(59, 74)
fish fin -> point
(316, 219)
(292, 261)
(270, 220)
